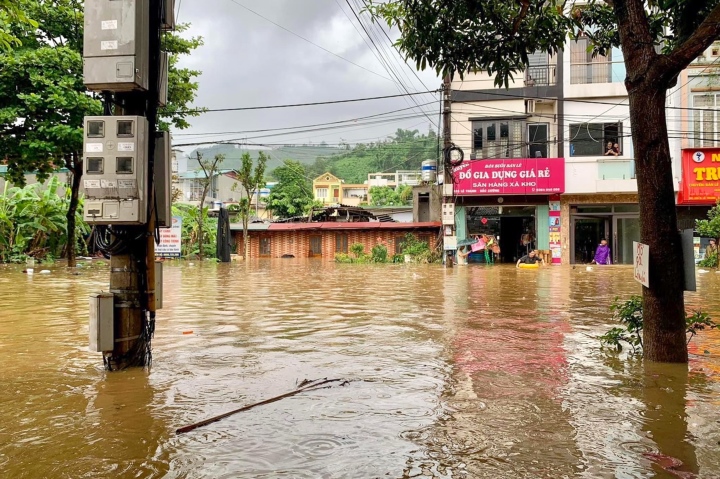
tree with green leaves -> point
(389, 196)
(43, 99)
(250, 181)
(292, 195)
(11, 12)
(209, 170)
(710, 228)
(659, 39)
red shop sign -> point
(518, 176)
(700, 183)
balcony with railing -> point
(540, 75)
(600, 175)
(597, 72)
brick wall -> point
(297, 243)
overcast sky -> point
(247, 61)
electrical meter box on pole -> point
(116, 45)
(115, 170)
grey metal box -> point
(158, 285)
(168, 17)
(101, 332)
(163, 80)
(163, 180)
(115, 170)
(116, 44)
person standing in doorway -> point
(602, 253)
(711, 249)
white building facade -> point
(569, 112)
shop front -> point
(588, 222)
(510, 200)
(700, 184)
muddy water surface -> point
(467, 372)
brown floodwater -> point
(466, 372)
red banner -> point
(700, 183)
(519, 176)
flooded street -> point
(465, 372)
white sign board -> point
(642, 263)
(170, 240)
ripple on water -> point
(320, 445)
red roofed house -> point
(325, 239)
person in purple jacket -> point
(602, 253)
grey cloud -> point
(247, 61)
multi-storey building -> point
(549, 160)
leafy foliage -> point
(379, 253)
(496, 36)
(406, 149)
(710, 261)
(11, 12)
(387, 196)
(191, 228)
(43, 99)
(711, 226)
(630, 315)
(292, 195)
(33, 222)
(250, 181)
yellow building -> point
(328, 189)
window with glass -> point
(502, 138)
(705, 119)
(124, 165)
(585, 67)
(341, 243)
(321, 193)
(591, 139)
(94, 166)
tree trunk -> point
(201, 239)
(663, 302)
(76, 171)
(245, 219)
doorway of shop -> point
(588, 231)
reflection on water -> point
(464, 372)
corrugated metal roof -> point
(251, 226)
(361, 225)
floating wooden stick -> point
(305, 386)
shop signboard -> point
(170, 245)
(700, 183)
(512, 176)
(554, 232)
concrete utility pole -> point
(123, 60)
(132, 273)
(447, 143)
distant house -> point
(222, 191)
(325, 239)
(393, 180)
(328, 189)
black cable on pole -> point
(294, 105)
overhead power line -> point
(294, 105)
(308, 41)
(349, 120)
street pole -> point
(447, 143)
(132, 271)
